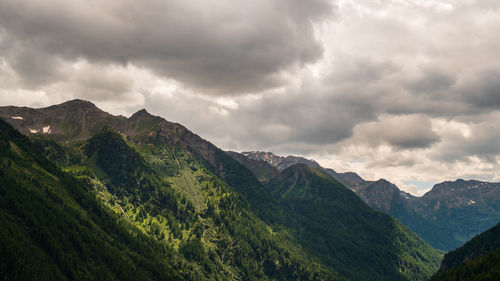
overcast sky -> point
(407, 90)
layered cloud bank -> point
(406, 90)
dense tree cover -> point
(174, 199)
(337, 226)
(482, 268)
(478, 259)
(54, 229)
(204, 215)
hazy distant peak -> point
(349, 179)
(280, 162)
(458, 184)
(271, 158)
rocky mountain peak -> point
(141, 114)
(271, 158)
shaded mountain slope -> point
(388, 198)
(54, 229)
(446, 217)
(346, 233)
(262, 170)
(156, 233)
(461, 208)
(222, 223)
(478, 259)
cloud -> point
(402, 90)
(404, 132)
(431, 80)
(218, 47)
(484, 89)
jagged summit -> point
(141, 114)
(281, 163)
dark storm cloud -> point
(431, 80)
(484, 90)
(219, 47)
(315, 113)
(403, 132)
(402, 87)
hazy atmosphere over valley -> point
(407, 90)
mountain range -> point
(447, 216)
(89, 195)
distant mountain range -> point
(447, 216)
(88, 195)
(278, 163)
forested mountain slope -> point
(478, 259)
(54, 229)
(343, 224)
(218, 221)
(446, 217)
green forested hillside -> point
(445, 217)
(170, 196)
(187, 222)
(478, 259)
(204, 216)
(52, 228)
(368, 245)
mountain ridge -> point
(448, 215)
(349, 179)
(218, 201)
